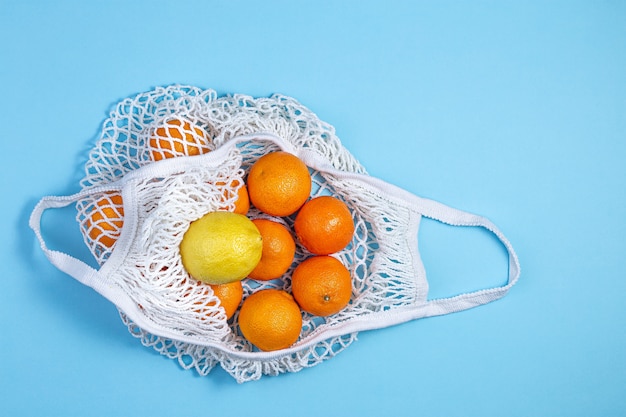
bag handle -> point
(448, 215)
(72, 266)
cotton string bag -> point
(156, 198)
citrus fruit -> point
(221, 247)
(270, 319)
(177, 137)
(242, 202)
(279, 183)
(230, 295)
(104, 221)
(324, 225)
(321, 285)
(279, 249)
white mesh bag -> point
(155, 201)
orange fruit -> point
(279, 183)
(270, 319)
(321, 285)
(105, 219)
(242, 203)
(230, 296)
(278, 251)
(324, 225)
(177, 137)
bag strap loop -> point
(448, 215)
(72, 266)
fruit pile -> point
(229, 245)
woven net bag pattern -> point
(152, 273)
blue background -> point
(512, 110)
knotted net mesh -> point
(182, 120)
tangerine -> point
(279, 183)
(278, 251)
(321, 285)
(324, 225)
(105, 219)
(177, 137)
(242, 202)
(230, 296)
(270, 319)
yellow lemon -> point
(221, 247)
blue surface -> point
(512, 110)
